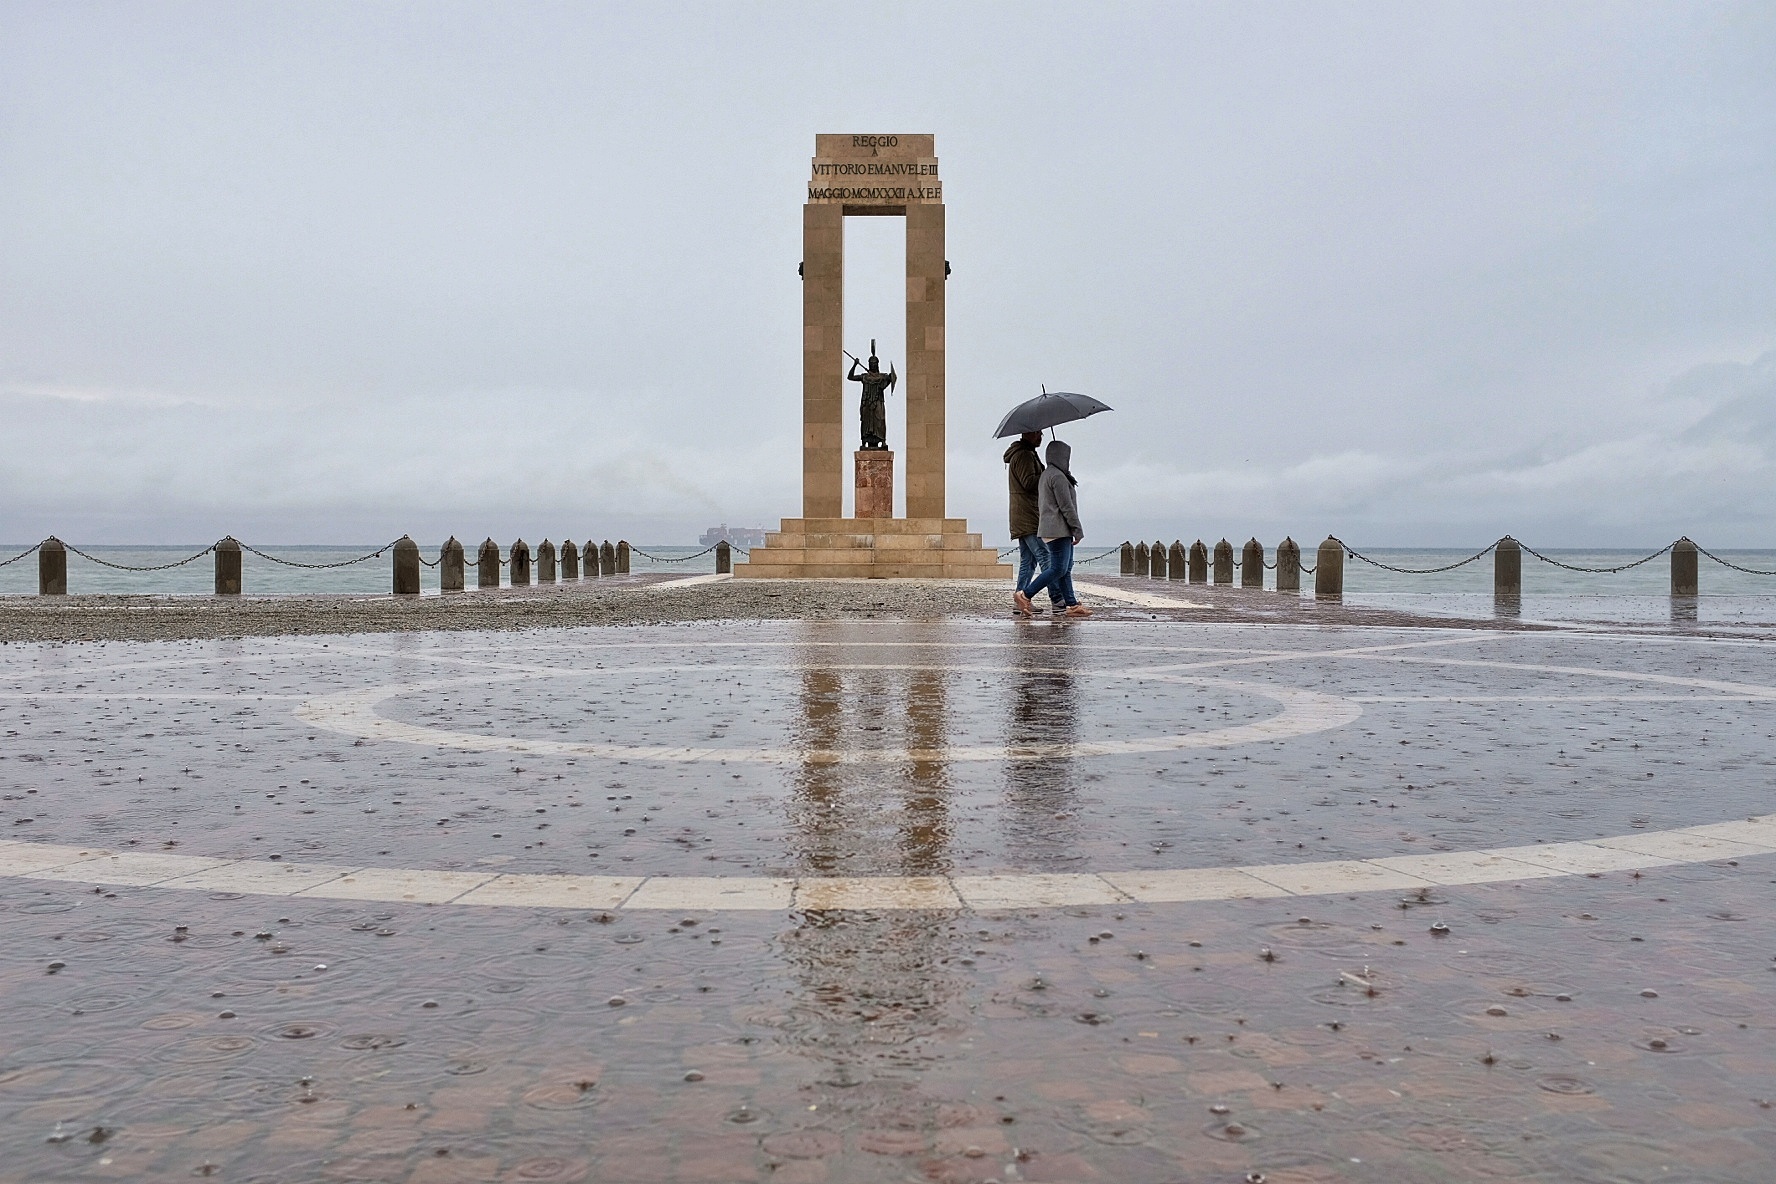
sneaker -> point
(1078, 610)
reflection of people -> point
(1057, 523)
(1023, 473)
(873, 410)
(1042, 726)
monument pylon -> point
(872, 176)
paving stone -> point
(279, 879)
(712, 892)
(1158, 887)
(128, 868)
(554, 892)
(876, 892)
(1034, 891)
(1307, 879)
(396, 884)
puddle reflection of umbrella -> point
(1046, 410)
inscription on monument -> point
(886, 172)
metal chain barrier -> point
(634, 550)
(23, 554)
(1750, 571)
(1428, 571)
(380, 551)
(1601, 571)
(126, 567)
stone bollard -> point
(724, 558)
(228, 567)
(487, 565)
(622, 558)
(1128, 559)
(1329, 569)
(52, 567)
(1288, 566)
(1684, 578)
(1224, 562)
(1199, 563)
(1142, 563)
(1252, 565)
(450, 566)
(1177, 566)
(546, 562)
(1156, 560)
(406, 567)
(607, 559)
(570, 561)
(519, 563)
(1507, 569)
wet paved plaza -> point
(958, 900)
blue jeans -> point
(1057, 576)
(1033, 558)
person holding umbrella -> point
(1057, 527)
(1023, 473)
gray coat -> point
(1057, 508)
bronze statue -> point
(873, 411)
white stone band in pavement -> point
(1010, 890)
(689, 581)
(1127, 596)
(353, 713)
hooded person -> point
(1023, 473)
(1058, 526)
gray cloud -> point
(1410, 274)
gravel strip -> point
(635, 600)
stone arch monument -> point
(872, 176)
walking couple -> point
(1045, 524)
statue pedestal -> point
(875, 484)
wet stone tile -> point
(937, 900)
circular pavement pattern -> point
(359, 712)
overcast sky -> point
(1408, 273)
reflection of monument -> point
(878, 988)
(864, 176)
(867, 819)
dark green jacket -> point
(1023, 473)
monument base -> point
(875, 483)
(873, 549)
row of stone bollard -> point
(1193, 564)
(599, 560)
(550, 565)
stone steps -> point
(873, 548)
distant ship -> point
(746, 537)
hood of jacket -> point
(1017, 446)
(1060, 456)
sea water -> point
(1549, 593)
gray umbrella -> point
(1046, 410)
